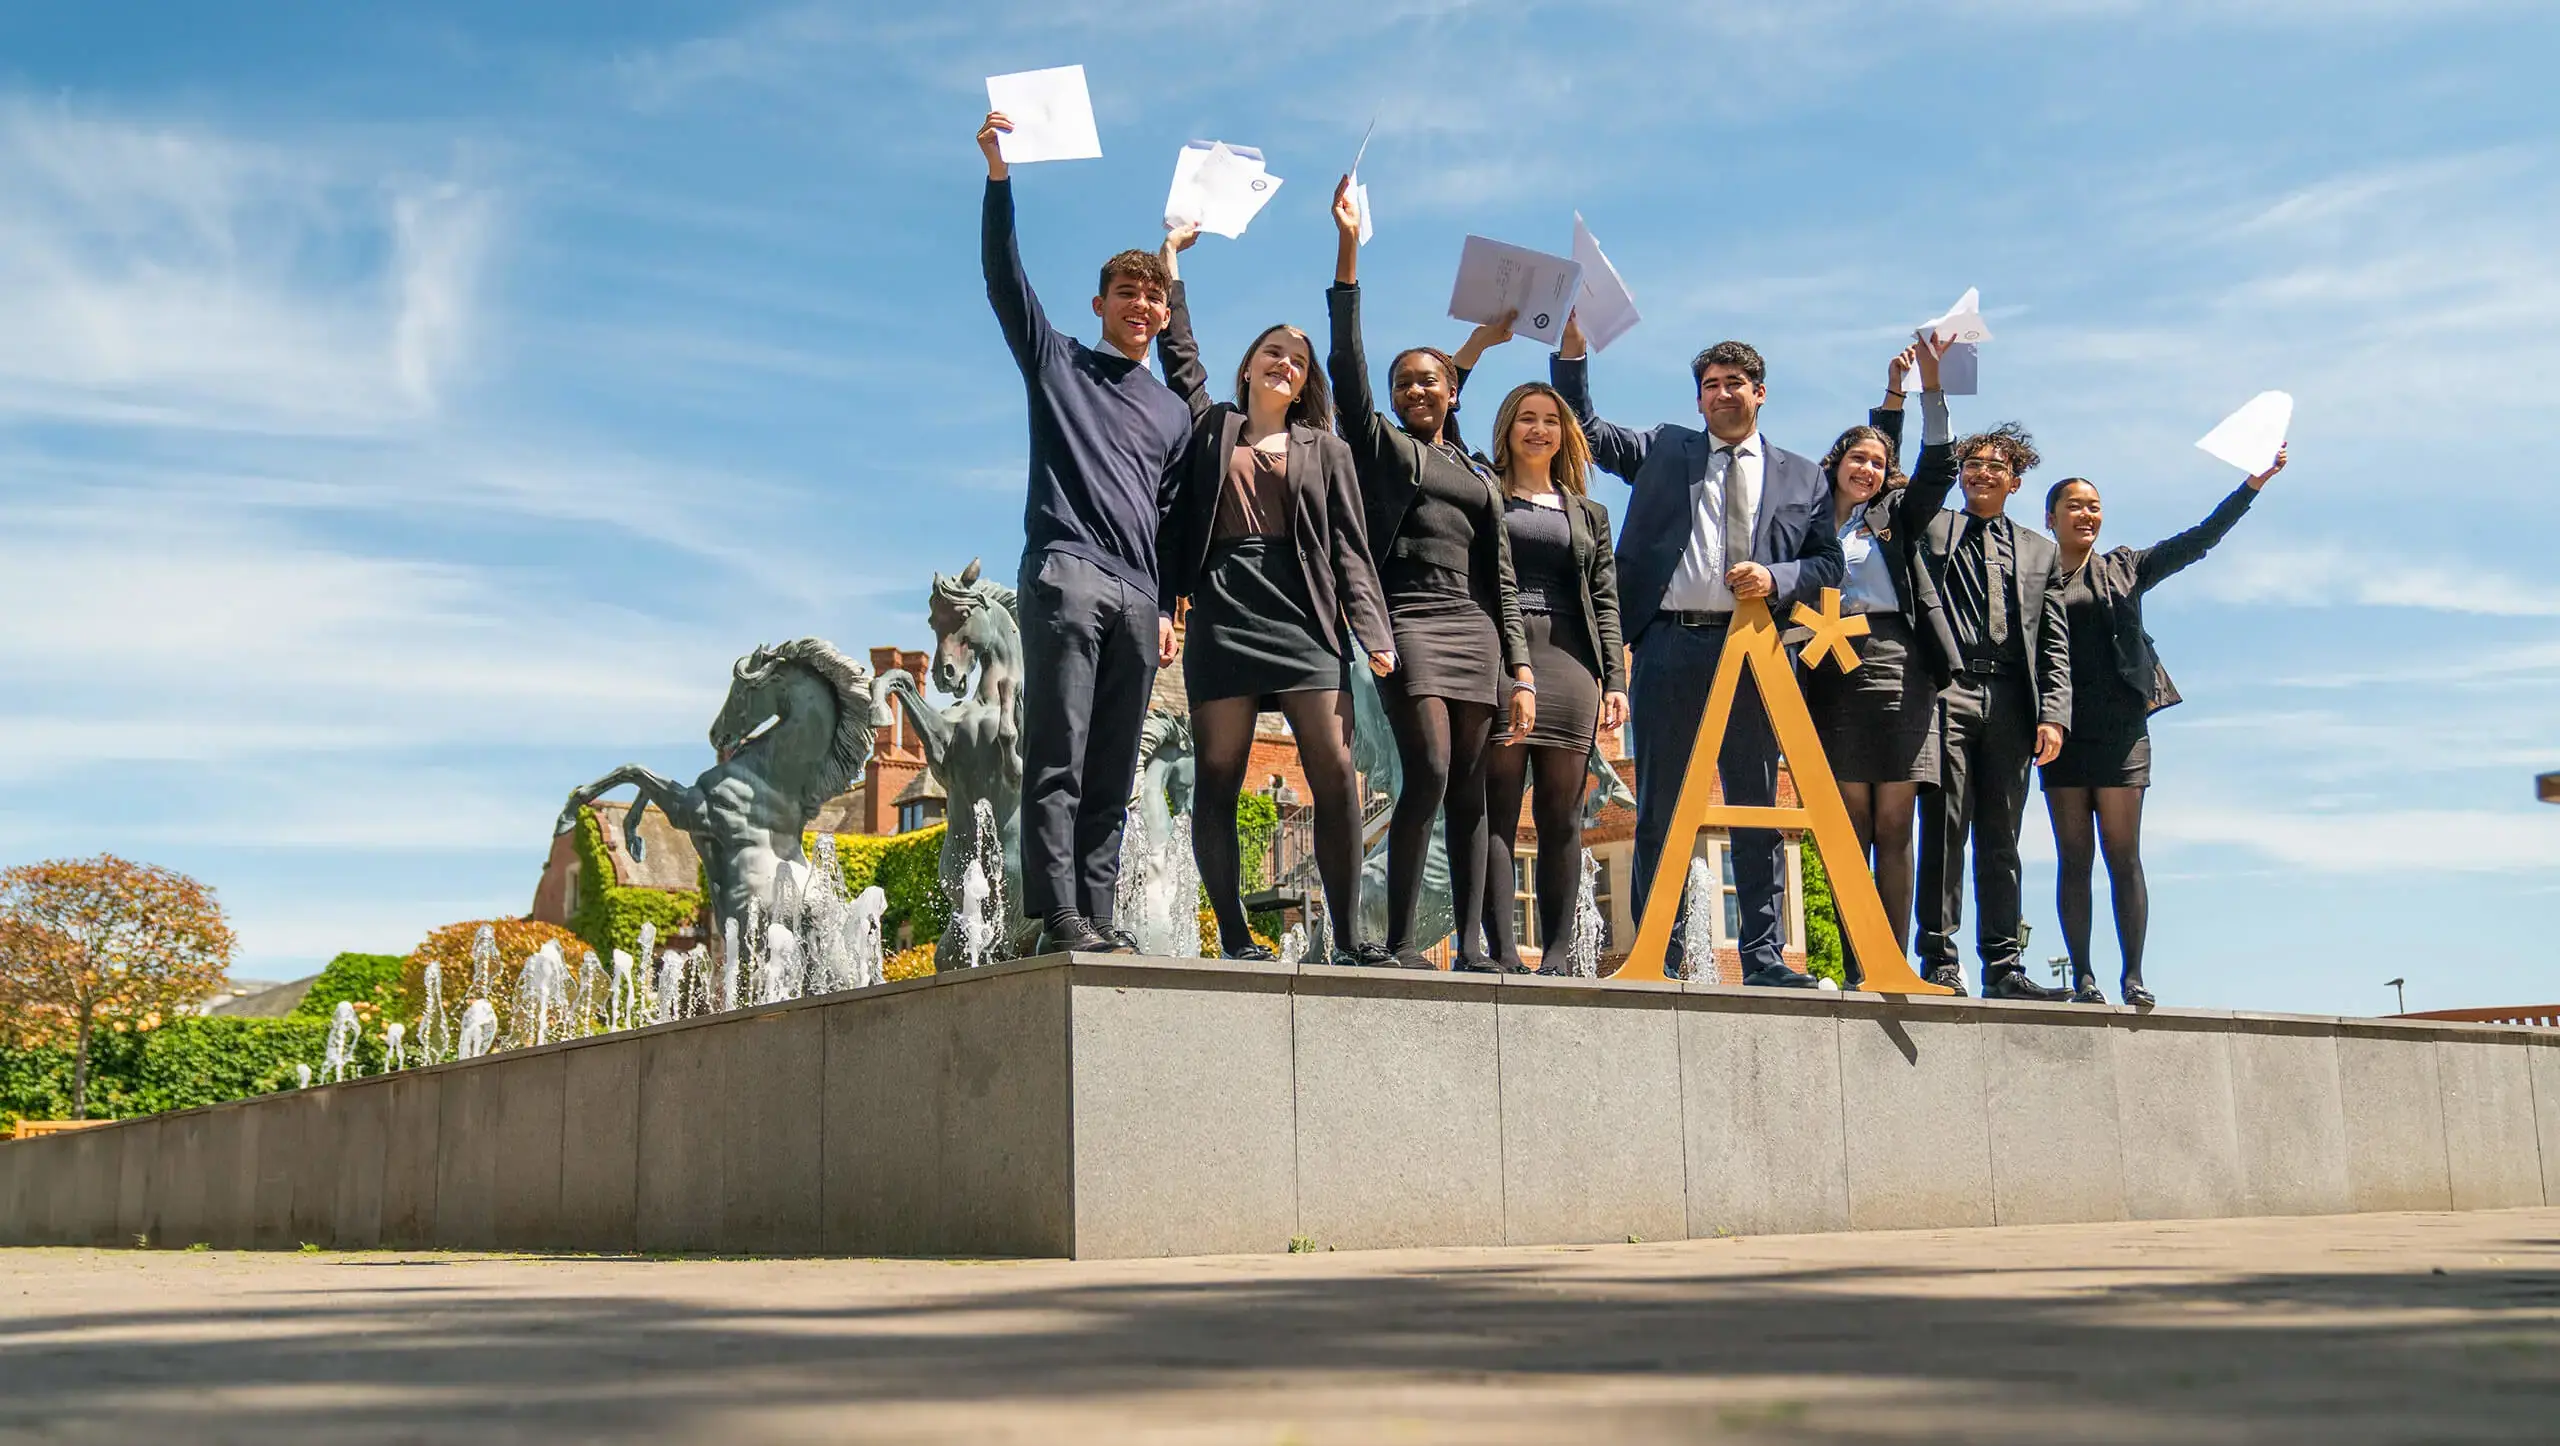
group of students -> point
(1311, 532)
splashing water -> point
(1697, 935)
(671, 973)
(542, 999)
(302, 1076)
(825, 950)
(479, 1029)
(781, 975)
(729, 961)
(622, 1008)
(395, 1049)
(484, 963)
(584, 1002)
(982, 905)
(1293, 946)
(977, 930)
(1582, 955)
(646, 967)
(435, 1026)
(863, 922)
(338, 1056)
(1158, 900)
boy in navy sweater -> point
(1105, 434)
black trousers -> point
(1987, 743)
(1666, 697)
(1089, 665)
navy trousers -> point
(1666, 697)
(1088, 669)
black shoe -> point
(1370, 955)
(1779, 976)
(1490, 966)
(2013, 983)
(1073, 933)
(2136, 995)
(1946, 975)
(1410, 958)
(1120, 941)
(1252, 954)
(2088, 992)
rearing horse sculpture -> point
(973, 747)
(747, 813)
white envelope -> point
(1218, 187)
(2249, 438)
(1607, 308)
(1495, 277)
(1052, 115)
(1963, 321)
(1959, 369)
(1360, 208)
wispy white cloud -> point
(2336, 575)
(2383, 841)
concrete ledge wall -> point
(1115, 1107)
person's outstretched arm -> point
(1346, 361)
(1026, 327)
(1176, 347)
(2178, 553)
(1614, 449)
(1934, 475)
(1886, 416)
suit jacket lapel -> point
(1760, 529)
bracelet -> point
(1530, 688)
(1890, 392)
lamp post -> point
(2399, 993)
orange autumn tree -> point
(86, 942)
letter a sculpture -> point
(1752, 641)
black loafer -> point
(2013, 983)
(1365, 956)
(1947, 976)
(2088, 993)
(1410, 958)
(1252, 954)
(1780, 977)
(2137, 996)
(1075, 934)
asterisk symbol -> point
(1831, 631)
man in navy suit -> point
(1717, 516)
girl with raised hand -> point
(1444, 560)
(1265, 536)
(2093, 790)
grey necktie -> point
(1995, 593)
(1737, 512)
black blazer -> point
(2120, 578)
(1900, 517)
(1390, 462)
(1794, 537)
(2035, 599)
(1598, 566)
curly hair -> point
(2010, 442)
(1851, 438)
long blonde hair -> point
(1571, 470)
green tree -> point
(1823, 955)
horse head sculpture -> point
(975, 632)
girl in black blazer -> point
(1264, 535)
(2093, 789)
(1568, 584)
(1444, 562)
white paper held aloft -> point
(1607, 308)
(1218, 187)
(2250, 437)
(1360, 188)
(1959, 367)
(1495, 277)
(1052, 115)
(1962, 321)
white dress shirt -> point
(1697, 584)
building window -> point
(1731, 913)
(1524, 894)
(569, 892)
(911, 816)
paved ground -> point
(2359, 1329)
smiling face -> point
(1537, 429)
(1422, 390)
(1277, 367)
(1862, 471)
(1133, 309)
(1989, 483)
(1730, 401)
(2075, 515)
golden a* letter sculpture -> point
(1752, 641)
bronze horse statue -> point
(795, 731)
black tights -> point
(1882, 815)
(1222, 747)
(2083, 820)
(1441, 745)
(1555, 808)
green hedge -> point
(369, 981)
(907, 867)
(181, 1065)
(1823, 957)
(609, 915)
(1257, 826)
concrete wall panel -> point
(361, 1142)
(1185, 1113)
(1762, 1118)
(136, 1173)
(684, 1074)
(1399, 1115)
(600, 1146)
(2394, 1113)
(770, 1134)
(524, 1100)
(2293, 1132)
(2492, 1150)
(467, 1159)
(2057, 1148)
(1592, 1146)
(882, 1113)
(1913, 1082)
(2176, 1119)
(416, 1111)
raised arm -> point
(1176, 348)
(1026, 327)
(1934, 475)
(1614, 449)
(2170, 557)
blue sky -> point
(407, 412)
